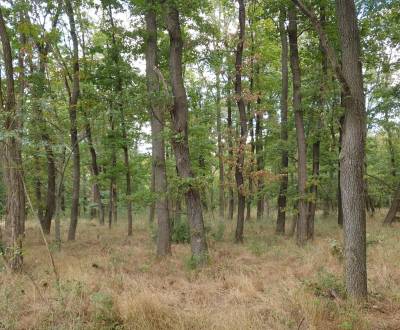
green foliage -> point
(327, 285)
(180, 231)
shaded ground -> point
(109, 281)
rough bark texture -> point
(353, 152)
(243, 125)
(180, 143)
(281, 219)
(73, 103)
(158, 145)
(302, 223)
(12, 164)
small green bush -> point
(180, 231)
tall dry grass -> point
(110, 281)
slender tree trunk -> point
(243, 125)
(353, 152)
(73, 103)
(230, 133)
(281, 219)
(95, 171)
(221, 195)
(260, 163)
(302, 223)
(125, 149)
(180, 143)
(316, 145)
(339, 196)
(12, 163)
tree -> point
(157, 116)
(179, 116)
(280, 222)
(302, 221)
(350, 76)
(243, 125)
(73, 104)
(12, 163)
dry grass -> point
(109, 281)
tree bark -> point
(353, 152)
(73, 103)
(180, 142)
(243, 125)
(157, 115)
(281, 219)
(12, 163)
(302, 223)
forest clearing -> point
(205, 164)
(110, 281)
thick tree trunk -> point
(157, 115)
(243, 125)
(73, 103)
(12, 163)
(281, 219)
(180, 143)
(302, 223)
(353, 152)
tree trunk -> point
(125, 149)
(353, 152)
(180, 142)
(281, 219)
(221, 196)
(12, 163)
(95, 171)
(316, 145)
(73, 103)
(157, 115)
(230, 133)
(302, 223)
(394, 208)
(260, 164)
(243, 125)
(339, 196)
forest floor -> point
(110, 281)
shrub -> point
(180, 231)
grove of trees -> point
(273, 111)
